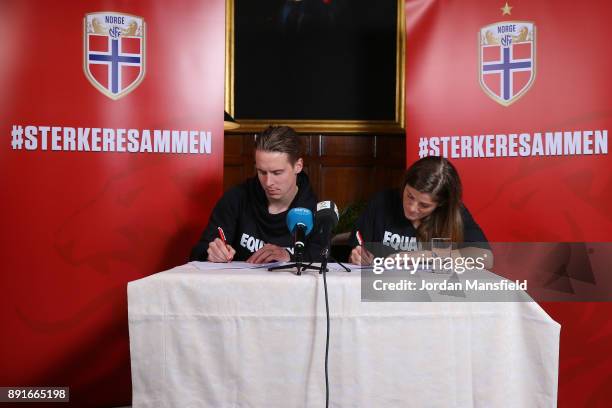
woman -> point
(427, 206)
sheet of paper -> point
(208, 266)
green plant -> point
(349, 216)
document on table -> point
(421, 268)
(207, 266)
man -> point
(253, 214)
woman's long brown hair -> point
(438, 177)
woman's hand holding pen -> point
(361, 256)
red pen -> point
(359, 238)
(222, 235)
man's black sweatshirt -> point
(242, 213)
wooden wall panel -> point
(233, 175)
(387, 149)
(351, 146)
(356, 183)
(342, 168)
(233, 146)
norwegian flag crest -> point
(114, 52)
(507, 60)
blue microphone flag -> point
(302, 216)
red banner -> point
(517, 96)
(111, 162)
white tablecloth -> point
(252, 338)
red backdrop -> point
(535, 198)
(78, 225)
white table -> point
(252, 338)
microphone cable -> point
(327, 217)
(324, 271)
(326, 338)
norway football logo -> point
(507, 60)
(114, 52)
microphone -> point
(300, 223)
(326, 219)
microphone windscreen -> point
(327, 213)
(300, 215)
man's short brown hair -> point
(282, 139)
